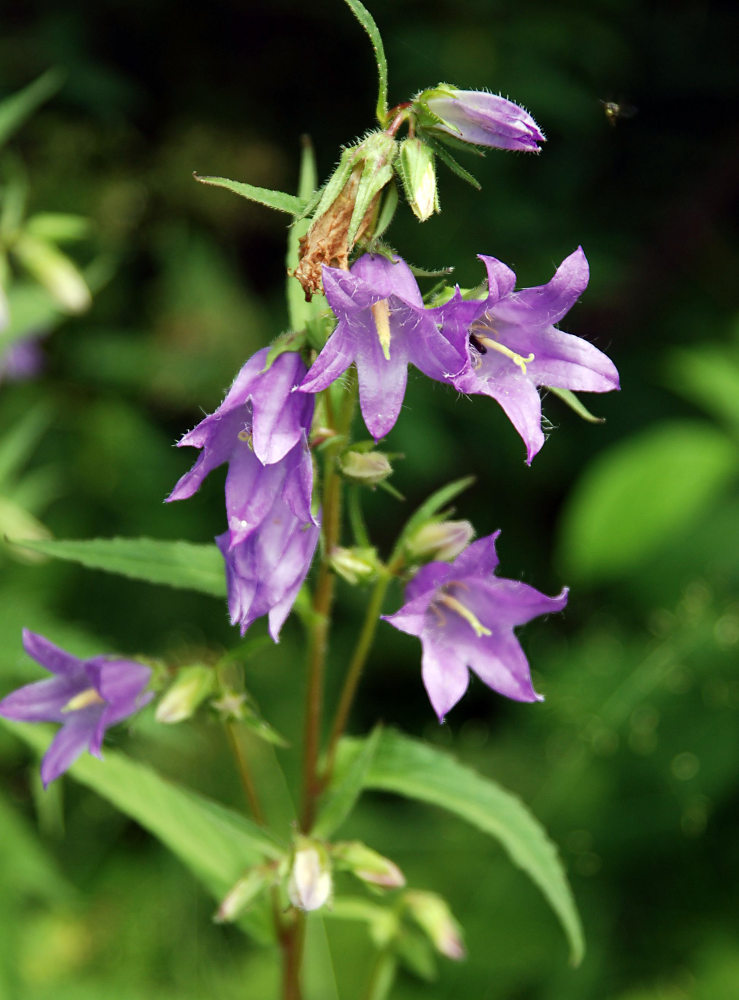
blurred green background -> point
(631, 761)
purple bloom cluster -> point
(504, 345)
(86, 696)
(261, 430)
(464, 616)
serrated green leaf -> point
(215, 843)
(279, 200)
(342, 793)
(368, 23)
(575, 404)
(642, 494)
(419, 771)
(430, 507)
(14, 110)
(175, 564)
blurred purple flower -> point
(479, 118)
(464, 616)
(260, 429)
(23, 360)
(514, 346)
(265, 571)
(382, 326)
(86, 696)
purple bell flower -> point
(514, 346)
(479, 118)
(86, 696)
(382, 326)
(265, 571)
(260, 429)
(464, 616)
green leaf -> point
(175, 564)
(368, 23)
(418, 771)
(14, 110)
(300, 311)
(283, 202)
(25, 867)
(19, 441)
(708, 376)
(342, 793)
(575, 404)
(32, 311)
(429, 507)
(641, 494)
(216, 844)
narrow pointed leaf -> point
(14, 110)
(368, 23)
(175, 564)
(341, 795)
(279, 200)
(19, 440)
(448, 160)
(418, 771)
(215, 843)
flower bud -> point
(354, 565)
(309, 885)
(439, 540)
(476, 117)
(367, 865)
(435, 919)
(185, 695)
(415, 166)
(348, 209)
(367, 467)
(241, 895)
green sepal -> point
(14, 110)
(387, 210)
(378, 152)
(279, 200)
(422, 272)
(284, 344)
(335, 185)
(368, 23)
(448, 160)
(576, 404)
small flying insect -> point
(614, 110)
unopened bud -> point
(241, 895)
(435, 919)
(368, 467)
(185, 695)
(354, 565)
(310, 884)
(440, 540)
(367, 865)
(415, 166)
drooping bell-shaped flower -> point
(265, 571)
(515, 347)
(464, 616)
(383, 326)
(86, 696)
(476, 117)
(260, 429)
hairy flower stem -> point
(354, 673)
(322, 605)
(245, 775)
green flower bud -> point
(439, 540)
(310, 884)
(415, 166)
(185, 695)
(243, 893)
(355, 565)
(367, 865)
(367, 467)
(435, 919)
